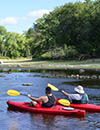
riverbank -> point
(89, 69)
(93, 64)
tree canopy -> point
(71, 31)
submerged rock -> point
(2, 75)
(27, 84)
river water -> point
(11, 120)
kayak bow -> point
(87, 107)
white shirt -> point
(76, 96)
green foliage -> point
(68, 32)
(13, 44)
(2, 30)
(61, 53)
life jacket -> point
(83, 100)
(50, 103)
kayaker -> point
(80, 97)
(44, 101)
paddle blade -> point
(53, 87)
(13, 93)
(64, 102)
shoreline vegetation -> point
(88, 69)
(93, 64)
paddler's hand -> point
(29, 95)
(61, 90)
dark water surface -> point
(11, 120)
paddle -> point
(53, 87)
(64, 102)
(15, 93)
(11, 92)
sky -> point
(19, 15)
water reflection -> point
(42, 121)
(13, 125)
(46, 119)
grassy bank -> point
(37, 64)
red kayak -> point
(87, 107)
(57, 109)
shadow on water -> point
(88, 83)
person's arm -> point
(65, 93)
(35, 99)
